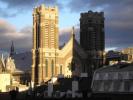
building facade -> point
(92, 37)
(5, 80)
(113, 79)
(45, 41)
(129, 53)
(47, 59)
(10, 76)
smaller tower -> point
(12, 50)
(45, 43)
(92, 37)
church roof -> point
(79, 49)
(74, 46)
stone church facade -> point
(47, 59)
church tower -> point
(45, 43)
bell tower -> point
(45, 42)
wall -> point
(5, 79)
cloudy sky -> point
(16, 21)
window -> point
(60, 69)
(69, 66)
(52, 68)
(46, 69)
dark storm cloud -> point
(24, 4)
(79, 5)
(18, 3)
(118, 19)
(119, 23)
(65, 33)
(21, 6)
(22, 38)
(5, 27)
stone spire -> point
(12, 51)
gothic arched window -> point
(52, 68)
(60, 69)
(46, 68)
